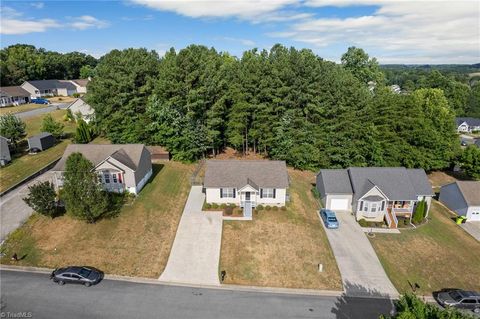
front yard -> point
(437, 255)
(21, 108)
(136, 243)
(281, 248)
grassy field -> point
(61, 99)
(23, 164)
(281, 248)
(136, 243)
(437, 255)
(21, 108)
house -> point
(41, 142)
(120, 167)
(395, 89)
(463, 197)
(467, 124)
(82, 108)
(13, 95)
(374, 193)
(81, 85)
(45, 88)
(246, 183)
(159, 153)
(5, 157)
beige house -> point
(46, 88)
(120, 167)
(81, 108)
(81, 85)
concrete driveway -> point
(13, 210)
(195, 253)
(362, 273)
(473, 228)
(47, 109)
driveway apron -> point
(362, 273)
(195, 254)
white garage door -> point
(475, 215)
(339, 204)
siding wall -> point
(451, 197)
(213, 196)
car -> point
(458, 298)
(329, 218)
(40, 101)
(84, 275)
(463, 143)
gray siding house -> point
(120, 167)
(467, 124)
(4, 151)
(13, 95)
(41, 141)
(374, 193)
(45, 88)
(463, 197)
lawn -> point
(136, 243)
(61, 99)
(23, 164)
(21, 108)
(281, 248)
(436, 255)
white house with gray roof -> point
(45, 88)
(467, 124)
(81, 109)
(246, 183)
(120, 167)
(374, 193)
(463, 197)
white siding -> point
(30, 89)
(213, 196)
(473, 213)
(279, 200)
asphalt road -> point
(42, 110)
(35, 296)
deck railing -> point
(389, 220)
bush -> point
(259, 207)
(363, 222)
(283, 208)
(268, 207)
(214, 205)
(83, 134)
(228, 210)
(223, 206)
(76, 95)
(42, 198)
(420, 212)
(232, 205)
(51, 126)
(275, 208)
(208, 206)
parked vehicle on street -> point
(87, 276)
(40, 101)
(457, 298)
(329, 218)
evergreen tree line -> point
(22, 62)
(285, 103)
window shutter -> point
(221, 193)
(119, 178)
(383, 205)
(234, 191)
(361, 205)
(274, 193)
(261, 192)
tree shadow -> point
(360, 302)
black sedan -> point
(78, 275)
(458, 298)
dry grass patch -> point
(437, 255)
(136, 243)
(281, 248)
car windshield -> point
(84, 272)
(332, 219)
(455, 296)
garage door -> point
(339, 204)
(475, 215)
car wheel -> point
(87, 284)
(61, 282)
(476, 310)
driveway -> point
(195, 253)
(13, 210)
(473, 228)
(47, 109)
(362, 273)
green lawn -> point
(21, 108)
(437, 255)
(23, 164)
(135, 243)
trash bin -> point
(459, 220)
(464, 219)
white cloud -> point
(12, 22)
(37, 5)
(147, 17)
(429, 31)
(87, 22)
(244, 42)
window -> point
(365, 207)
(469, 301)
(268, 193)
(374, 207)
(227, 192)
(106, 177)
(114, 177)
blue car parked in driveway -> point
(40, 101)
(329, 218)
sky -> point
(408, 32)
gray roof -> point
(420, 182)
(40, 135)
(335, 181)
(471, 121)
(238, 173)
(14, 91)
(470, 191)
(53, 84)
(81, 82)
(127, 154)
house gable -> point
(374, 191)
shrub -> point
(232, 205)
(259, 207)
(76, 95)
(275, 208)
(406, 222)
(363, 222)
(208, 206)
(315, 192)
(41, 198)
(51, 126)
(283, 208)
(268, 207)
(83, 134)
(214, 205)
(223, 205)
(419, 213)
(228, 210)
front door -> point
(247, 196)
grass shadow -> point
(156, 168)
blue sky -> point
(402, 31)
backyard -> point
(135, 243)
(23, 164)
(436, 255)
(281, 248)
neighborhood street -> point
(43, 110)
(36, 295)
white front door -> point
(339, 204)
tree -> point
(470, 161)
(87, 71)
(51, 126)
(358, 62)
(42, 198)
(83, 194)
(12, 128)
(420, 212)
(83, 133)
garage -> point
(462, 197)
(339, 204)
(474, 214)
